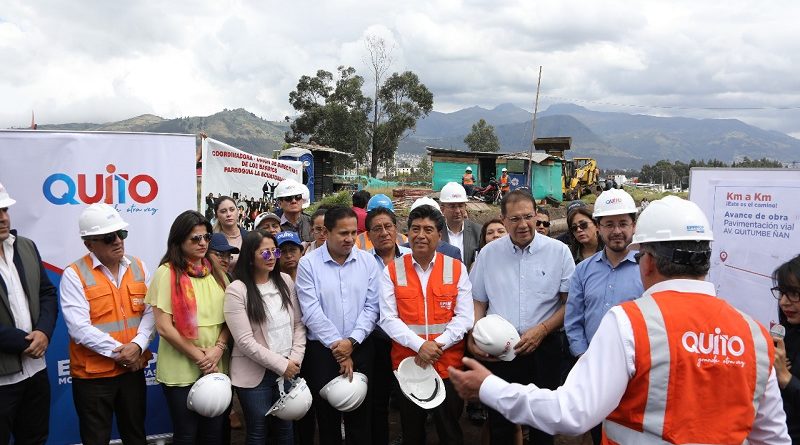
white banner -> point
(53, 176)
(248, 178)
(754, 216)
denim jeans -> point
(190, 427)
(255, 404)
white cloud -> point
(106, 61)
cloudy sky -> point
(102, 61)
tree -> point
(332, 114)
(423, 169)
(482, 137)
(380, 59)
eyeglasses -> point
(318, 229)
(517, 219)
(269, 254)
(197, 238)
(543, 223)
(109, 238)
(378, 229)
(792, 294)
(292, 198)
(624, 225)
(638, 256)
(583, 225)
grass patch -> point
(343, 198)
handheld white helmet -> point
(345, 395)
(496, 336)
(614, 202)
(99, 219)
(671, 219)
(210, 395)
(289, 187)
(5, 199)
(422, 386)
(453, 192)
(425, 201)
(292, 405)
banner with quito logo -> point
(756, 224)
(247, 178)
(53, 176)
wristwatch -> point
(353, 342)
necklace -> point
(238, 234)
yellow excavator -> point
(578, 175)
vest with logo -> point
(364, 243)
(115, 311)
(427, 315)
(504, 183)
(701, 370)
(467, 179)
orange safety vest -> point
(701, 370)
(115, 311)
(467, 179)
(427, 316)
(364, 243)
(504, 183)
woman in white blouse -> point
(263, 314)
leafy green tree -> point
(482, 137)
(423, 169)
(332, 113)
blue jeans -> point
(255, 404)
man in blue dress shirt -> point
(524, 278)
(605, 279)
(337, 286)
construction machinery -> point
(578, 175)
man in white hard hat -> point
(505, 186)
(468, 181)
(606, 278)
(290, 196)
(459, 230)
(110, 328)
(27, 318)
(677, 365)
(524, 278)
(426, 309)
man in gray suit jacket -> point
(459, 231)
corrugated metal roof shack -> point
(449, 165)
(545, 172)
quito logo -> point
(61, 189)
(716, 343)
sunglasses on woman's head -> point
(269, 254)
(197, 238)
(109, 238)
(583, 225)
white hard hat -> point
(671, 219)
(422, 386)
(504, 169)
(289, 187)
(210, 395)
(469, 169)
(453, 192)
(99, 218)
(345, 395)
(614, 202)
(425, 201)
(292, 405)
(496, 336)
(5, 200)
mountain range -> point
(616, 140)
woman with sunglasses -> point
(584, 240)
(786, 279)
(262, 311)
(227, 215)
(187, 295)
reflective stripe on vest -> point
(116, 326)
(621, 434)
(138, 274)
(85, 273)
(762, 360)
(421, 329)
(402, 280)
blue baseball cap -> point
(220, 244)
(288, 237)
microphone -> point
(778, 331)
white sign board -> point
(756, 223)
(248, 178)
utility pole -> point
(533, 129)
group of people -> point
(317, 297)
